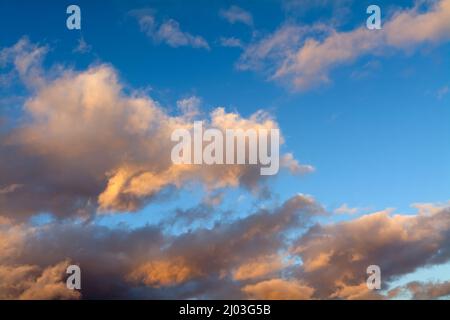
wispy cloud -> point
(9, 189)
(189, 106)
(168, 31)
(345, 209)
(231, 42)
(442, 92)
(303, 56)
(242, 258)
(235, 14)
(82, 47)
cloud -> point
(336, 256)
(235, 14)
(146, 263)
(249, 257)
(87, 147)
(213, 199)
(231, 42)
(423, 290)
(27, 60)
(412, 27)
(227, 249)
(259, 55)
(279, 289)
(288, 161)
(345, 209)
(355, 292)
(168, 31)
(28, 282)
(189, 106)
(304, 58)
(260, 267)
(82, 47)
(163, 273)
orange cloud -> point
(279, 289)
(26, 282)
(163, 273)
(88, 146)
(260, 267)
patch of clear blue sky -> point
(377, 140)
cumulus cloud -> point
(294, 166)
(29, 282)
(303, 56)
(336, 256)
(235, 14)
(250, 257)
(345, 209)
(144, 262)
(88, 147)
(168, 31)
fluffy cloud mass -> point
(336, 256)
(146, 262)
(86, 146)
(252, 257)
(303, 56)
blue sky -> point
(376, 132)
